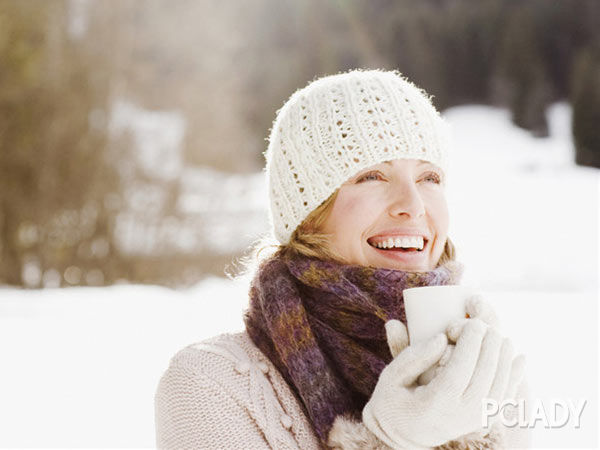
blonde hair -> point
(307, 240)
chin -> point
(398, 266)
(379, 261)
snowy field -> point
(79, 366)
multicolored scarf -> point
(322, 325)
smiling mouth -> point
(401, 249)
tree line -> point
(227, 67)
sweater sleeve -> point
(192, 410)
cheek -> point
(441, 217)
(349, 205)
(347, 215)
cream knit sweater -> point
(223, 393)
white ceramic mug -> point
(430, 309)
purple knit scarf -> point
(321, 323)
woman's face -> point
(402, 198)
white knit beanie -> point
(339, 125)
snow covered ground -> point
(79, 366)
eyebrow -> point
(421, 162)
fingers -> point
(430, 373)
(514, 379)
(487, 365)
(516, 376)
(502, 377)
(397, 336)
(447, 355)
(454, 330)
(418, 358)
(456, 374)
(476, 306)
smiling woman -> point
(356, 168)
(392, 215)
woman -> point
(356, 166)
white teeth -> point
(404, 242)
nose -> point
(406, 199)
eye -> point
(369, 176)
(433, 176)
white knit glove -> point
(405, 415)
(476, 307)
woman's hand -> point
(476, 307)
(405, 415)
(390, 410)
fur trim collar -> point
(349, 434)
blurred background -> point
(131, 141)
(123, 124)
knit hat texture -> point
(339, 125)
